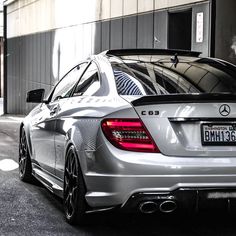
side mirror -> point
(35, 96)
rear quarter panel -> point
(78, 124)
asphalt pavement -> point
(30, 209)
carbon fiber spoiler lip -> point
(185, 98)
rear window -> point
(198, 75)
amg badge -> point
(150, 113)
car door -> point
(76, 106)
(43, 129)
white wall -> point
(31, 16)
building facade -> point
(45, 38)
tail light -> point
(129, 134)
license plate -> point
(218, 134)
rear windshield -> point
(196, 75)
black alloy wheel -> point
(25, 168)
(74, 189)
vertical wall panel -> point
(27, 88)
(20, 74)
(52, 38)
(87, 40)
(160, 29)
(34, 58)
(23, 73)
(43, 57)
(116, 34)
(130, 7)
(145, 31)
(37, 58)
(9, 70)
(26, 69)
(105, 35)
(116, 8)
(11, 88)
(26, 66)
(97, 29)
(16, 76)
(130, 32)
(30, 56)
(47, 57)
(14, 89)
(145, 5)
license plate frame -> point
(226, 139)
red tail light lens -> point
(128, 134)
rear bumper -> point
(114, 176)
(111, 190)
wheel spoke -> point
(66, 185)
(67, 170)
(74, 177)
(72, 164)
(67, 199)
(74, 194)
(23, 163)
(21, 153)
(72, 205)
(69, 165)
(67, 204)
(21, 169)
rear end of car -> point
(176, 145)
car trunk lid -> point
(190, 124)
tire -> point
(25, 167)
(74, 190)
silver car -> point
(138, 130)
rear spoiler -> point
(148, 51)
(185, 98)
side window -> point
(89, 82)
(66, 84)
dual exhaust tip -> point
(149, 207)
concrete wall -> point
(42, 49)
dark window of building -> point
(180, 30)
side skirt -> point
(50, 182)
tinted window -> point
(162, 77)
(65, 86)
(89, 82)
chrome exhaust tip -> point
(148, 207)
(168, 206)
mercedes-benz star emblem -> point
(224, 110)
